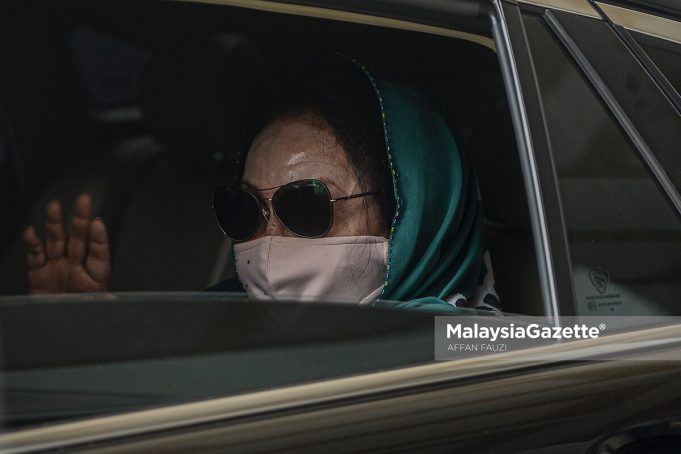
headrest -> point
(196, 95)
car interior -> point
(141, 104)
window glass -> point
(149, 349)
(665, 54)
(624, 238)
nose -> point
(272, 225)
(275, 227)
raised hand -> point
(78, 263)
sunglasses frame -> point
(266, 213)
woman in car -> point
(351, 188)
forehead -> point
(297, 148)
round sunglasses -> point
(304, 208)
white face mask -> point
(346, 268)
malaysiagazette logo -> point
(549, 338)
(531, 331)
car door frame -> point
(541, 182)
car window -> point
(160, 116)
(624, 237)
(665, 54)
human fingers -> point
(35, 250)
(54, 228)
(98, 262)
(76, 248)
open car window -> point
(147, 119)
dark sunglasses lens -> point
(304, 208)
(237, 212)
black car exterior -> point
(593, 93)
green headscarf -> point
(435, 244)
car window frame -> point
(532, 135)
